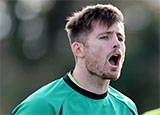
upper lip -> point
(117, 52)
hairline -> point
(86, 33)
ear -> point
(78, 49)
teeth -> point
(116, 55)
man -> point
(97, 39)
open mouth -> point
(115, 59)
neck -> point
(90, 82)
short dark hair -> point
(80, 23)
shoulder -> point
(47, 99)
(124, 99)
(33, 107)
(47, 91)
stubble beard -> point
(96, 69)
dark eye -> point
(104, 37)
(120, 39)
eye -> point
(103, 37)
(120, 39)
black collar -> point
(83, 91)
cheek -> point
(95, 54)
(100, 53)
(123, 48)
(98, 50)
(123, 52)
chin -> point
(113, 77)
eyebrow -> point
(110, 32)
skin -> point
(93, 71)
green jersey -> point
(64, 97)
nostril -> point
(115, 46)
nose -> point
(116, 46)
(116, 43)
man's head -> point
(96, 34)
(81, 23)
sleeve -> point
(34, 108)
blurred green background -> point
(34, 48)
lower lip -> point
(114, 66)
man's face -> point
(105, 50)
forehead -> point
(100, 28)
